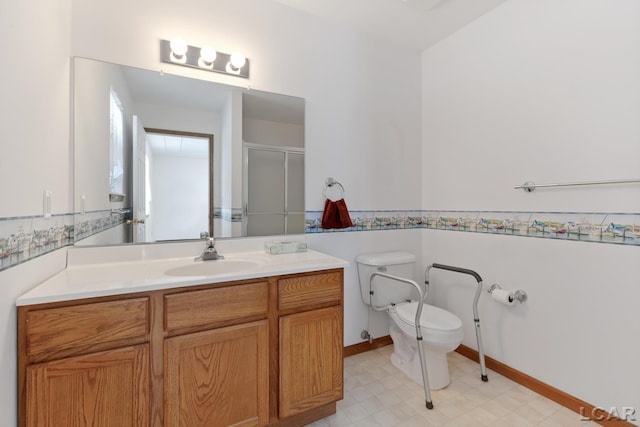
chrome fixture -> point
(209, 253)
(120, 211)
(529, 186)
(329, 183)
(519, 295)
(177, 51)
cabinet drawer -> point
(199, 308)
(305, 290)
(82, 326)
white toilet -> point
(441, 330)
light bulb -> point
(178, 47)
(238, 60)
(208, 54)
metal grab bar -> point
(476, 317)
(530, 186)
(421, 293)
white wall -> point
(272, 133)
(547, 91)
(34, 152)
(178, 214)
(178, 119)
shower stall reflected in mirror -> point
(273, 193)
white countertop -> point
(97, 279)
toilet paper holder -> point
(519, 295)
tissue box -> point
(277, 248)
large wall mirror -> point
(159, 157)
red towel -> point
(336, 214)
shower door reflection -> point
(274, 190)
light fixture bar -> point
(221, 64)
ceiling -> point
(417, 24)
(178, 146)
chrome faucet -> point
(209, 253)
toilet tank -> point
(386, 291)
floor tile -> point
(377, 394)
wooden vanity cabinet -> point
(84, 364)
(245, 353)
(311, 342)
(218, 376)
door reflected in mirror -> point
(177, 161)
(191, 161)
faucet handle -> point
(204, 235)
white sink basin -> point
(212, 268)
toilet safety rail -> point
(422, 294)
(476, 317)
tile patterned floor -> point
(377, 394)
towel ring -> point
(330, 183)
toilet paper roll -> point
(503, 296)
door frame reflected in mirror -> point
(210, 139)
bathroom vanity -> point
(251, 340)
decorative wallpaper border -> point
(24, 238)
(28, 237)
(600, 227)
(95, 222)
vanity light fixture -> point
(236, 62)
(177, 51)
(207, 57)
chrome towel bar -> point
(530, 186)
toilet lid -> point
(431, 318)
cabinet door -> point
(218, 377)
(310, 360)
(109, 388)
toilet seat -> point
(436, 324)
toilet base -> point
(406, 358)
